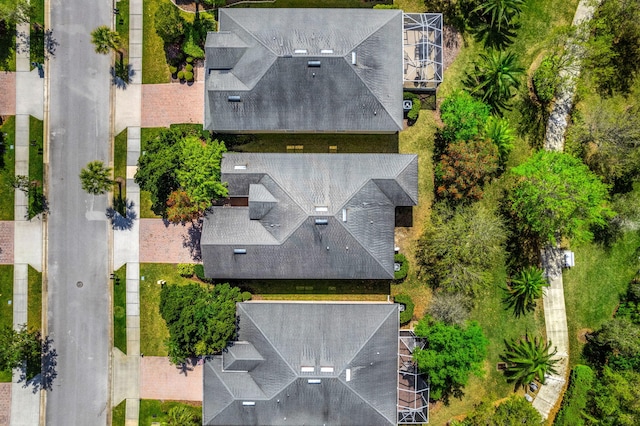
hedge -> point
(186, 269)
(575, 399)
(407, 314)
(404, 267)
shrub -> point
(186, 269)
(181, 75)
(188, 75)
(575, 399)
(173, 69)
(246, 296)
(190, 46)
(404, 267)
(199, 271)
(450, 308)
(545, 81)
(189, 59)
(407, 314)
(414, 113)
(188, 67)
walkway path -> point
(126, 368)
(555, 315)
(27, 235)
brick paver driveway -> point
(163, 242)
(159, 379)
(6, 242)
(8, 93)
(165, 104)
(5, 404)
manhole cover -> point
(79, 284)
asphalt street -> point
(78, 275)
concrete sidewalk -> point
(126, 242)
(27, 236)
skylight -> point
(307, 369)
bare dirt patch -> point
(582, 334)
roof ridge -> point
(349, 231)
(299, 223)
(400, 125)
(397, 175)
(233, 399)
(265, 69)
(274, 348)
(357, 353)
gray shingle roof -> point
(262, 56)
(316, 216)
(356, 343)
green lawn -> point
(8, 43)
(316, 3)
(34, 307)
(314, 143)
(7, 168)
(153, 329)
(122, 25)
(154, 63)
(120, 309)
(35, 149)
(120, 162)
(6, 310)
(36, 39)
(154, 411)
(118, 414)
(593, 287)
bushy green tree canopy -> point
(96, 178)
(463, 116)
(451, 354)
(496, 78)
(201, 320)
(556, 194)
(515, 411)
(458, 250)
(19, 346)
(181, 160)
(105, 40)
(170, 26)
(528, 359)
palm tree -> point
(525, 288)
(495, 78)
(181, 415)
(495, 22)
(528, 360)
(105, 40)
(497, 129)
(96, 178)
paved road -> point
(77, 230)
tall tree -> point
(105, 40)
(201, 320)
(556, 194)
(199, 174)
(96, 178)
(463, 116)
(20, 348)
(525, 288)
(12, 13)
(450, 355)
(464, 169)
(495, 78)
(495, 21)
(169, 24)
(527, 360)
(465, 266)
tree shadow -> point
(192, 240)
(42, 380)
(121, 73)
(122, 222)
(188, 365)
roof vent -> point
(307, 369)
(322, 208)
(344, 215)
(322, 221)
(300, 51)
(326, 51)
(326, 369)
(353, 58)
(314, 64)
(248, 403)
(233, 98)
(314, 381)
(239, 251)
(348, 375)
(240, 167)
